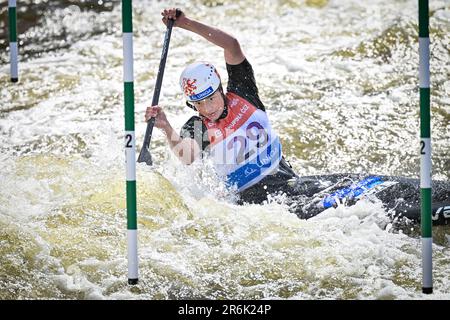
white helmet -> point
(199, 80)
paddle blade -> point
(145, 156)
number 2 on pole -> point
(128, 138)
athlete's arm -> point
(186, 149)
(232, 49)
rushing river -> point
(340, 83)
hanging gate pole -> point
(13, 48)
(425, 148)
(130, 140)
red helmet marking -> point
(189, 86)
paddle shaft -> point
(155, 100)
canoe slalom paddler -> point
(232, 126)
(233, 129)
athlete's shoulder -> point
(192, 120)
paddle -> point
(144, 155)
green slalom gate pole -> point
(130, 141)
(425, 148)
(13, 48)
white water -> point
(339, 80)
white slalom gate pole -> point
(425, 148)
(130, 141)
(13, 48)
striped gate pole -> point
(425, 148)
(130, 140)
(13, 48)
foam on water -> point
(70, 227)
(341, 99)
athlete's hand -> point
(159, 115)
(171, 14)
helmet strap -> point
(225, 103)
(191, 106)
